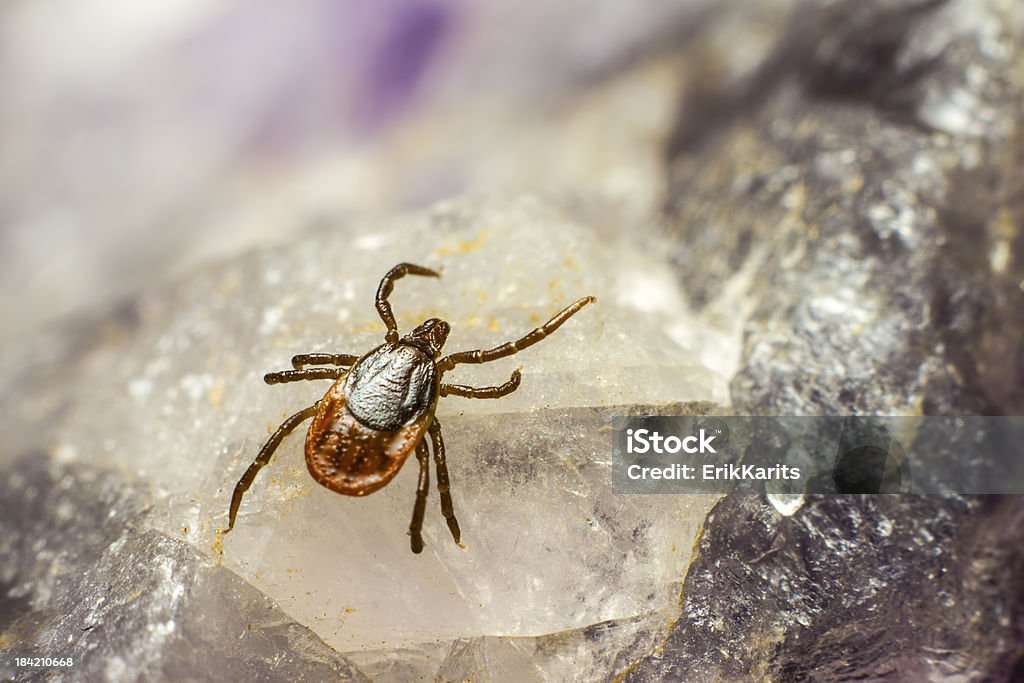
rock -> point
(862, 185)
(882, 251)
(850, 588)
(843, 237)
(91, 583)
(173, 408)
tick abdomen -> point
(391, 386)
(350, 458)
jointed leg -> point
(508, 348)
(422, 489)
(263, 458)
(299, 375)
(482, 392)
(385, 289)
(443, 486)
(303, 359)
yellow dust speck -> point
(292, 570)
(216, 394)
(462, 246)
(368, 328)
(492, 324)
(229, 284)
(217, 549)
(853, 184)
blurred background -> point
(138, 139)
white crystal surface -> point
(548, 546)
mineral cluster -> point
(795, 209)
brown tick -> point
(381, 407)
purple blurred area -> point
(418, 30)
(137, 139)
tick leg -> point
(509, 348)
(443, 487)
(299, 375)
(303, 359)
(422, 488)
(263, 458)
(482, 392)
(384, 291)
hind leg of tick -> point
(423, 488)
(342, 361)
(286, 428)
(443, 485)
(420, 506)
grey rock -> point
(132, 604)
(883, 246)
(886, 588)
(864, 180)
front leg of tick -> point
(387, 285)
(422, 488)
(512, 347)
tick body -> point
(380, 409)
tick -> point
(381, 407)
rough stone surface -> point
(868, 175)
(88, 581)
(866, 178)
(843, 226)
(533, 465)
(171, 401)
(879, 588)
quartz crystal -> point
(178, 407)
